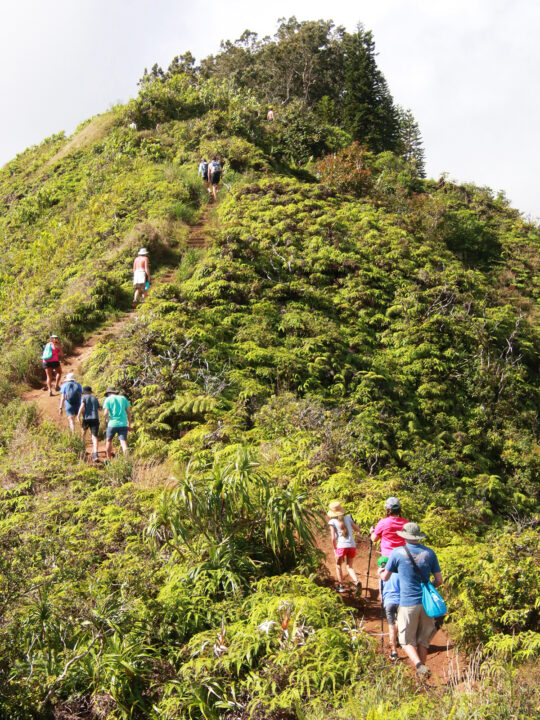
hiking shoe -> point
(422, 671)
(358, 588)
(340, 588)
(95, 457)
(393, 656)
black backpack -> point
(73, 393)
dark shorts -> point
(92, 425)
(215, 178)
(120, 431)
(391, 611)
(51, 363)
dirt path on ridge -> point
(47, 405)
(445, 663)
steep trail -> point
(444, 661)
(74, 362)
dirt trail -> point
(48, 406)
(445, 663)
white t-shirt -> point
(342, 541)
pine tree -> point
(410, 145)
(369, 113)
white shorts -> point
(139, 277)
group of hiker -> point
(210, 173)
(80, 404)
(404, 567)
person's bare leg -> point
(412, 654)
(95, 444)
(214, 192)
(392, 637)
(58, 374)
(108, 448)
(49, 376)
(422, 653)
(352, 574)
(135, 296)
(339, 574)
(71, 422)
(124, 446)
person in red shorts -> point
(386, 530)
(341, 531)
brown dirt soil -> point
(444, 661)
(74, 362)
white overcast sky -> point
(468, 69)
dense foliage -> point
(352, 331)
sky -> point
(466, 68)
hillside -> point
(351, 330)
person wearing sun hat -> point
(386, 530)
(70, 397)
(341, 533)
(118, 411)
(141, 275)
(415, 628)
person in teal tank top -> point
(118, 413)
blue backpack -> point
(73, 394)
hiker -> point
(415, 628)
(203, 172)
(390, 602)
(70, 397)
(117, 409)
(141, 275)
(51, 356)
(88, 417)
(270, 114)
(341, 532)
(386, 529)
(214, 175)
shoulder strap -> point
(415, 566)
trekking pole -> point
(382, 617)
(368, 566)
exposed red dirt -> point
(444, 661)
(74, 362)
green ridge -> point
(352, 331)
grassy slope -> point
(357, 345)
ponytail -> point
(343, 529)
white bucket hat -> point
(143, 251)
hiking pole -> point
(368, 565)
(382, 618)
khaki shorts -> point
(414, 626)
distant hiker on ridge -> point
(52, 354)
(203, 172)
(214, 175)
(386, 529)
(341, 532)
(141, 275)
(70, 396)
(415, 628)
(88, 416)
(117, 409)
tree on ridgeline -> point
(410, 144)
(369, 114)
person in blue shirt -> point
(390, 601)
(70, 397)
(414, 626)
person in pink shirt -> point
(386, 529)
